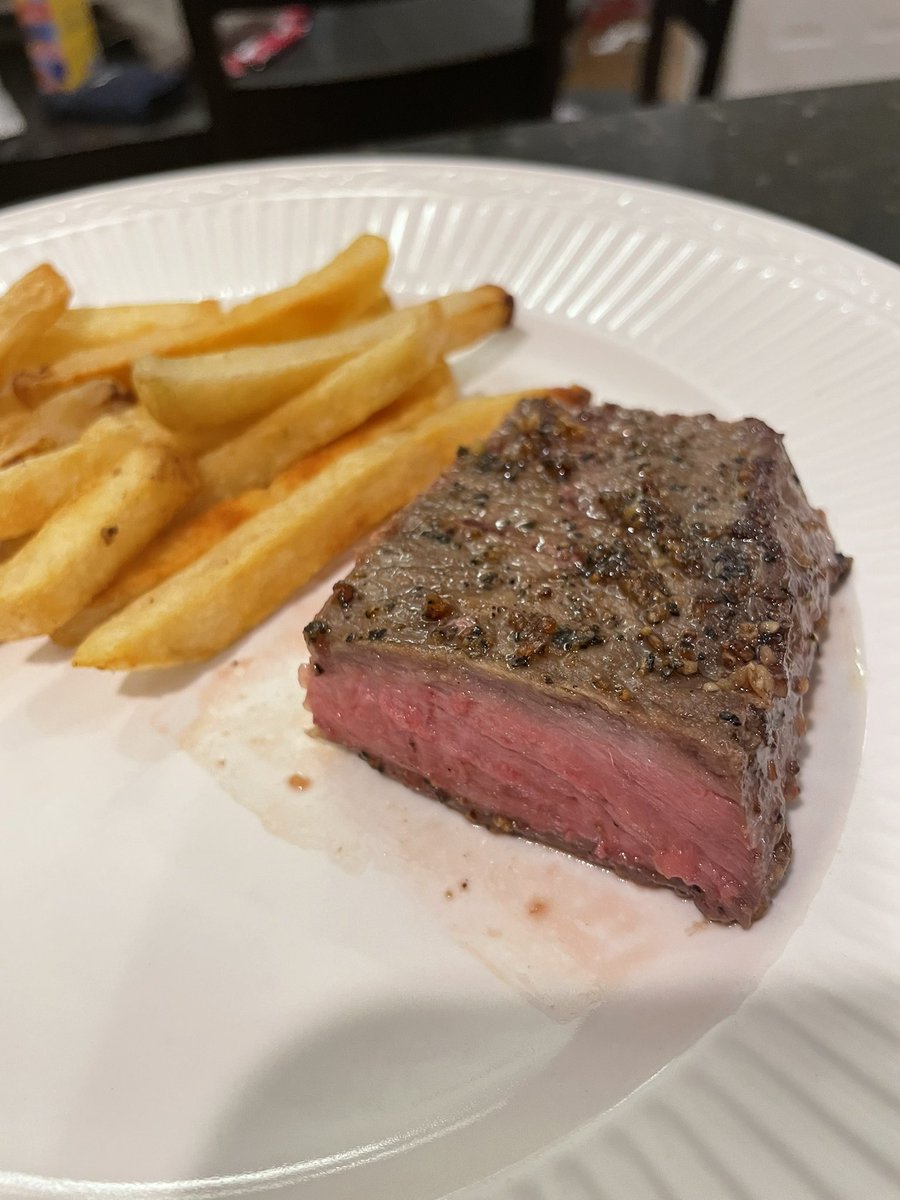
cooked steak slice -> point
(596, 632)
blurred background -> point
(96, 92)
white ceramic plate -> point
(213, 978)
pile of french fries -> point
(171, 473)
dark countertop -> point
(828, 158)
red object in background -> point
(253, 52)
(604, 14)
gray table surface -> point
(828, 158)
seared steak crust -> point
(663, 574)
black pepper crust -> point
(667, 569)
(609, 548)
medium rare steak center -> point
(596, 632)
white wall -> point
(786, 45)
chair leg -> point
(649, 85)
(548, 27)
(715, 45)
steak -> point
(595, 632)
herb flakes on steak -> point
(596, 632)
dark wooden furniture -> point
(709, 20)
(377, 69)
(54, 155)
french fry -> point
(186, 541)
(59, 421)
(319, 302)
(253, 570)
(381, 305)
(87, 328)
(432, 394)
(326, 299)
(10, 547)
(474, 315)
(10, 404)
(27, 310)
(87, 541)
(208, 390)
(32, 490)
(191, 442)
(339, 402)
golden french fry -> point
(27, 310)
(208, 390)
(186, 541)
(10, 547)
(87, 541)
(87, 328)
(57, 422)
(474, 315)
(324, 300)
(254, 569)
(171, 552)
(381, 305)
(192, 442)
(32, 490)
(11, 405)
(432, 394)
(339, 402)
(319, 302)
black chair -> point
(382, 69)
(709, 19)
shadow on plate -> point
(48, 652)
(487, 357)
(407, 1101)
(165, 680)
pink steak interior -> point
(560, 772)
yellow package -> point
(61, 41)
